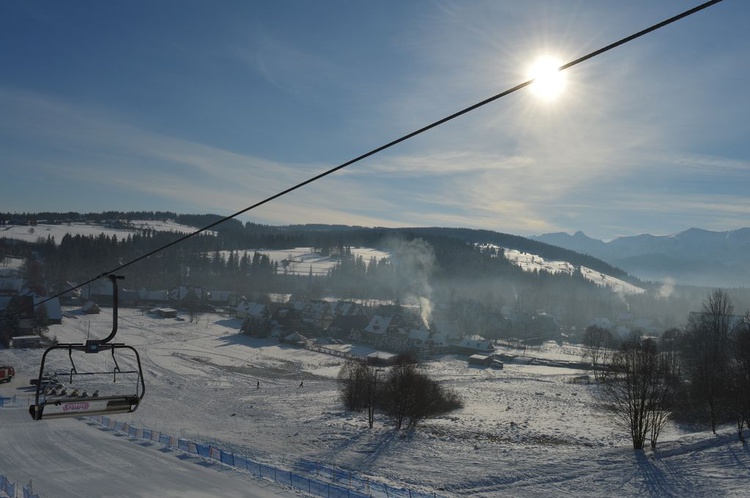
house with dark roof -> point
(345, 326)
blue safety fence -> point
(27, 493)
(7, 401)
(307, 476)
(8, 488)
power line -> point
(393, 143)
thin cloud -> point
(645, 136)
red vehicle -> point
(6, 373)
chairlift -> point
(114, 390)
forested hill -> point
(360, 236)
(234, 235)
(519, 243)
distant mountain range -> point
(693, 257)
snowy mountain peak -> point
(692, 257)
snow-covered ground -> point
(532, 262)
(304, 260)
(300, 260)
(524, 431)
(58, 231)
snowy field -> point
(525, 430)
(300, 260)
(58, 231)
(304, 261)
(532, 262)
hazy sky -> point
(212, 106)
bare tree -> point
(358, 388)
(353, 385)
(192, 304)
(372, 394)
(410, 396)
(637, 390)
(598, 344)
(706, 351)
(398, 391)
(739, 377)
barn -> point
(483, 360)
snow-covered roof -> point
(254, 310)
(9, 284)
(54, 312)
(378, 324)
(419, 334)
(295, 337)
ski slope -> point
(525, 430)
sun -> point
(549, 81)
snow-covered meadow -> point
(524, 431)
(305, 261)
(57, 231)
(532, 262)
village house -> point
(318, 314)
(90, 308)
(165, 312)
(10, 286)
(256, 318)
(69, 294)
(348, 326)
(222, 298)
(438, 343)
(152, 297)
(295, 339)
(472, 345)
(100, 291)
(52, 308)
(419, 340)
(483, 360)
(245, 309)
(389, 328)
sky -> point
(211, 107)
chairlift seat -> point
(76, 407)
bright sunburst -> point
(549, 82)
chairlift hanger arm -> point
(94, 344)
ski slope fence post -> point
(27, 492)
(328, 482)
(7, 487)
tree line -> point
(701, 373)
(224, 260)
(474, 283)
